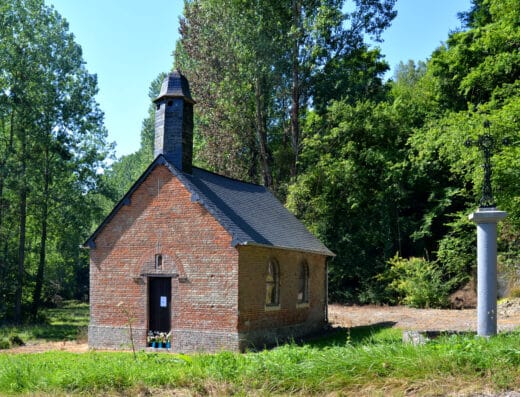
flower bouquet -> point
(159, 339)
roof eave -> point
(324, 252)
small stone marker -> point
(416, 338)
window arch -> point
(158, 261)
(272, 283)
(303, 283)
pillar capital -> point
(487, 215)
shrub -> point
(417, 282)
(514, 292)
(16, 340)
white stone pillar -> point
(487, 220)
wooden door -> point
(159, 299)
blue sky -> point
(128, 43)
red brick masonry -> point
(218, 291)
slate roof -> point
(175, 85)
(249, 212)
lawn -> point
(359, 361)
(67, 322)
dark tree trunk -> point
(21, 241)
(36, 303)
(21, 253)
(295, 90)
(262, 135)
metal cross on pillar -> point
(486, 217)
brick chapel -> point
(215, 262)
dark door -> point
(159, 298)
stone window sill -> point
(271, 308)
(302, 305)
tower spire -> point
(174, 122)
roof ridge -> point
(230, 178)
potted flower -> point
(169, 340)
(161, 339)
(151, 339)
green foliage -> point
(470, 80)
(352, 192)
(457, 251)
(417, 282)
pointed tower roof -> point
(175, 85)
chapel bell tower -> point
(174, 122)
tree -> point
(53, 142)
(256, 68)
(352, 193)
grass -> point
(67, 322)
(369, 361)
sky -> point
(128, 43)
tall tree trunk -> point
(36, 303)
(21, 241)
(295, 89)
(3, 175)
(21, 252)
(262, 135)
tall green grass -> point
(368, 361)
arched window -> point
(303, 283)
(272, 284)
(158, 262)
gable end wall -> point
(197, 251)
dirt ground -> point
(407, 318)
(402, 317)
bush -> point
(417, 282)
(514, 292)
(4, 344)
(16, 341)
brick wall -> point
(214, 305)
(259, 324)
(197, 252)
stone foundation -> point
(183, 341)
(191, 341)
(102, 337)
